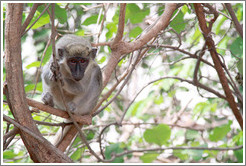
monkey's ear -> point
(93, 53)
(61, 53)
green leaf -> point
(135, 32)
(238, 140)
(44, 19)
(80, 32)
(33, 64)
(239, 155)
(90, 135)
(182, 154)
(185, 9)
(159, 100)
(240, 66)
(196, 154)
(219, 24)
(237, 47)
(158, 135)
(218, 133)
(77, 154)
(47, 54)
(31, 87)
(203, 107)
(149, 157)
(112, 28)
(196, 37)
(178, 23)
(135, 14)
(114, 148)
(137, 107)
(60, 14)
(100, 61)
(91, 20)
(192, 134)
(8, 154)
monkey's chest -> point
(58, 101)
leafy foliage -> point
(158, 135)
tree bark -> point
(40, 151)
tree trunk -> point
(40, 151)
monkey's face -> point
(77, 67)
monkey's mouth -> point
(78, 77)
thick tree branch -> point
(86, 119)
(217, 63)
(121, 47)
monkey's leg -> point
(67, 138)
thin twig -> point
(234, 19)
(175, 148)
(180, 50)
(29, 17)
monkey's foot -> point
(48, 99)
(71, 106)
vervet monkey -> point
(80, 75)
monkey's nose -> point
(78, 77)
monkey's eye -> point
(83, 60)
(73, 61)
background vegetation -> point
(167, 106)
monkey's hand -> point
(56, 73)
(48, 99)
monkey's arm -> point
(49, 83)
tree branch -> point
(121, 24)
(122, 47)
(174, 148)
(86, 119)
(234, 19)
(217, 63)
(25, 31)
(161, 24)
(29, 17)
